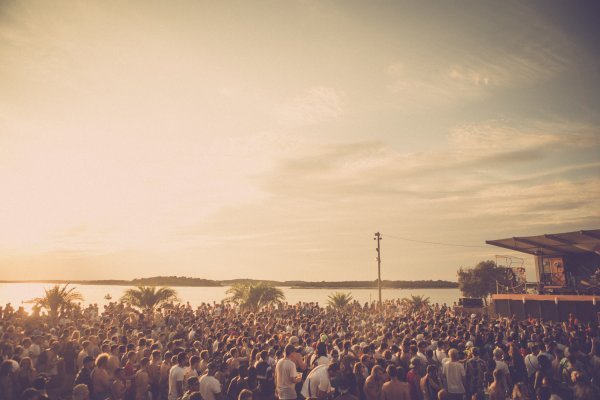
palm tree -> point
(57, 300)
(149, 297)
(254, 296)
(415, 303)
(339, 300)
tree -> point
(149, 297)
(415, 302)
(480, 281)
(339, 300)
(254, 296)
(57, 300)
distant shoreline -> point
(369, 287)
(173, 281)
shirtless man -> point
(113, 359)
(118, 386)
(100, 380)
(164, 375)
(374, 383)
(142, 380)
(296, 357)
(154, 373)
(395, 389)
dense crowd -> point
(216, 352)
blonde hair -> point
(102, 360)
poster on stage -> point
(554, 268)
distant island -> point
(179, 281)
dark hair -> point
(333, 367)
(321, 349)
(543, 393)
(392, 371)
(289, 349)
(5, 368)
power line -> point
(436, 243)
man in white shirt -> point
(286, 376)
(454, 374)
(210, 387)
(176, 375)
(318, 382)
(531, 361)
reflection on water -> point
(19, 293)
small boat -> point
(108, 297)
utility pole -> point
(378, 238)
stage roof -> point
(580, 242)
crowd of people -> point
(366, 352)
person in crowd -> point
(318, 382)
(118, 386)
(413, 377)
(84, 375)
(101, 384)
(430, 383)
(475, 369)
(81, 392)
(286, 376)
(374, 383)
(193, 386)
(245, 394)
(209, 385)
(497, 389)
(176, 375)
(26, 373)
(142, 381)
(502, 366)
(396, 388)
(520, 392)
(8, 387)
(238, 383)
(454, 376)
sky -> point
(272, 139)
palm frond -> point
(149, 297)
(339, 300)
(57, 299)
(254, 296)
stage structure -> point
(567, 269)
(515, 280)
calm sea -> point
(16, 293)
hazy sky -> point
(272, 139)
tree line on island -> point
(179, 281)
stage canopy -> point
(580, 242)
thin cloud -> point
(315, 105)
